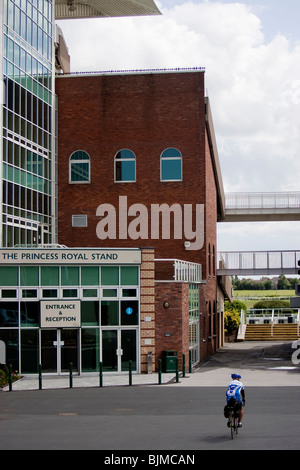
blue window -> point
(171, 165)
(125, 166)
(79, 167)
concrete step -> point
(281, 332)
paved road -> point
(186, 415)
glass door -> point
(110, 350)
(49, 351)
(58, 349)
(68, 350)
(129, 346)
(119, 346)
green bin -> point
(169, 361)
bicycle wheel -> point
(232, 426)
(236, 425)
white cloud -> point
(253, 83)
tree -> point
(235, 305)
(283, 282)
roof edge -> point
(78, 9)
(215, 160)
(133, 72)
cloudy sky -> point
(251, 54)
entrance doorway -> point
(119, 346)
(58, 349)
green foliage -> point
(235, 305)
(4, 375)
(231, 320)
(282, 283)
(261, 304)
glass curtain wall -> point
(194, 324)
(27, 133)
(109, 297)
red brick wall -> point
(209, 291)
(146, 113)
(172, 323)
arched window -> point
(125, 166)
(171, 165)
(79, 167)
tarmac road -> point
(185, 416)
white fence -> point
(273, 316)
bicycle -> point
(234, 422)
(232, 414)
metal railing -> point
(274, 316)
(185, 271)
(285, 200)
(257, 262)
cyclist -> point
(235, 395)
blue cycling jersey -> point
(234, 391)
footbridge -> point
(259, 207)
(258, 263)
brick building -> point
(138, 167)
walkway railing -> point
(251, 207)
(184, 271)
(284, 200)
(258, 263)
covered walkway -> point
(258, 263)
(259, 207)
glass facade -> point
(109, 317)
(28, 150)
(194, 323)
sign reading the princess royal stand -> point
(60, 313)
(70, 256)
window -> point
(79, 167)
(125, 166)
(171, 165)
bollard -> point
(177, 370)
(159, 371)
(183, 365)
(149, 362)
(71, 375)
(10, 377)
(130, 372)
(190, 362)
(101, 374)
(40, 376)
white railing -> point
(185, 271)
(258, 262)
(273, 316)
(285, 200)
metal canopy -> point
(67, 9)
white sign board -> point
(60, 313)
(70, 256)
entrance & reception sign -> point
(60, 314)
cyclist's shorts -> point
(234, 403)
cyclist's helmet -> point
(235, 376)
